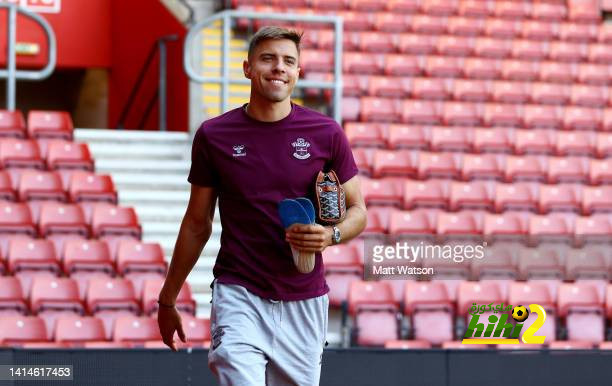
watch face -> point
(336, 235)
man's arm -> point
(315, 238)
(194, 232)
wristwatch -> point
(336, 237)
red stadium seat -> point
(50, 124)
(62, 218)
(197, 331)
(383, 86)
(576, 144)
(559, 198)
(440, 7)
(482, 68)
(596, 199)
(378, 42)
(442, 165)
(600, 171)
(588, 262)
(500, 28)
(356, 63)
(317, 60)
(375, 312)
(414, 44)
(428, 25)
(534, 141)
(471, 90)
(583, 312)
(492, 140)
(517, 196)
(428, 305)
(510, 92)
(357, 21)
(512, 9)
(444, 66)
(135, 330)
(475, 8)
(420, 223)
(539, 30)
(41, 185)
(380, 109)
(558, 72)
(525, 168)
(7, 193)
(535, 293)
(362, 134)
(497, 262)
(540, 263)
(470, 195)
(596, 74)
(17, 330)
(589, 96)
(382, 192)
(342, 267)
(550, 93)
(389, 163)
(450, 139)
(11, 296)
(378, 220)
(408, 137)
(87, 255)
(502, 115)
(458, 225)
(464, 26)
(459, 113)
(549, 11)
(115, 220)
(402, 65)
(135, 258)
(77, 330)
(426, 194)
(407, 345)
(21, 153)
(554, 227)
(26, 254)
(420, 112)
(455, 45)
(430, 88)
(596, 228)
(523, 70)
(604, 145)
(492, 48)
(12, 124)
(150, 293)
(543, 116)
(390, 22)
(529, 49)
(582, 118)
(109, 298)
(569, 52)
(584, 11)
(87, 186)
(404, 6)
(567, 169)
(350, 109)
(482, 167)
(477, 292)
(52, 297)
(333, 4)
(69, 155)
(364, 159)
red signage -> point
(40, 6)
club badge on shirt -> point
(239, 151)
(301, 148)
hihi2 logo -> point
(500, 331)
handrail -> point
(11, 73)
(159, 45)
(191, 16)
(224, 80)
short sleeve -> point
(202, 171)
(342, 161)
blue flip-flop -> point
(292, 212)
(308, 207)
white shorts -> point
(257, 341)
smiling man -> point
(268, 320)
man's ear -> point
(246, 67)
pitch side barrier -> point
(341, 367)
(227, 17)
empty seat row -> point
(463, 46)
(40, 124)
(470, 90)
(434, 224)
(364, 135)
(456, 67)
(584, 12)
(387, 22)
(416, 344)
(424, 165)
(495, 197)
(425, 112)
(89, 332)
(40, 154)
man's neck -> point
(268, 112)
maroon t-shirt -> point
(254, 165)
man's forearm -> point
(189, 244)
(354, 223)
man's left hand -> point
(309, 238)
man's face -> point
(273, 69)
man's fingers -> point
(306, 236)
(181, 333)
(306, 244)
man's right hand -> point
(169, 321)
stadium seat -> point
(475, 8)
(529, 49)
(386, 191)
(378, 221)
(108, 299)
(593, 229)
(51, 298)
(401, 136)
(402, 65)
(50, 124)
(583, 311)
(12, 124)
(364, 159)
(555, 227)
(390, 22)
(477, 292)
(496, 115)
(600, 171)
(493, 48)
(588, 262)
(139, 261)
(562, 197)
(41, 185)
(27, 257)
(596, 199)
(17, 330)
(470, 195)
(582, 118)
(592, 73)
(135, 330)
(426, 194)
(439, 165)
(62, 219)
(569, 52)
(519, 70)
(471, 90)
(482, 68)
(357, 21)
(454, 45)
(87, 186)
(517, 196)
(589, 95)
(403, 6)
(428, 24)
(603, 144)
(526, 168)
(558, 72)
(374, 311)
(20, 153)
(540, 263)
(430, 88)
(317, 60)
(342, 267)
(69, 155)
(568, 169)
(510, 92)
(87, 255)
(430, 310)
(502, 28)
(407, 344)
(353, 62)
(599, 53)
(378, 42)
(7, 192)
(380, 109)
(462, 225)
(389, 163)
(534, 141)
(75, 331)
(576, 143)
(543, 116)
(549, 11)
(537, 30)
(15, 218)
(150, 293)
(450, 139)
(444, 66)
(492, 140)
(11, 296)
(497, 262)
(421, 112)
(383, 86)
(420, 223)
(482, 167)
(115, 220)
(504, 226)
(534, 292)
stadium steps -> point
(150, 171)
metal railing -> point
(224, 80)
(11, 74)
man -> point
(268, 320)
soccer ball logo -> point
(520, 313)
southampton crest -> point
(301, 148)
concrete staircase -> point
(150, 171)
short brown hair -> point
(274, 33)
